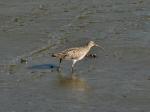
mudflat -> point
(116, 80)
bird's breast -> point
(81, 57)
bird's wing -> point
(72, 53)
(70, 50)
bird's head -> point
(92, 44)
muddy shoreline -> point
(116, 80)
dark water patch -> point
(43, 66)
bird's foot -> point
(59, 69)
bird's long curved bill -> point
(100, 47)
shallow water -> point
(117, 80)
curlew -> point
(74, 54)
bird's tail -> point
(58, 55)
(54, 55)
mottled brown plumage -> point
(74, 54)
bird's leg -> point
(60, 60)
(74, 61)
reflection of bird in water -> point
(74, 54)
(74, 82)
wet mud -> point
(114, 80)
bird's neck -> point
(89, 47)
